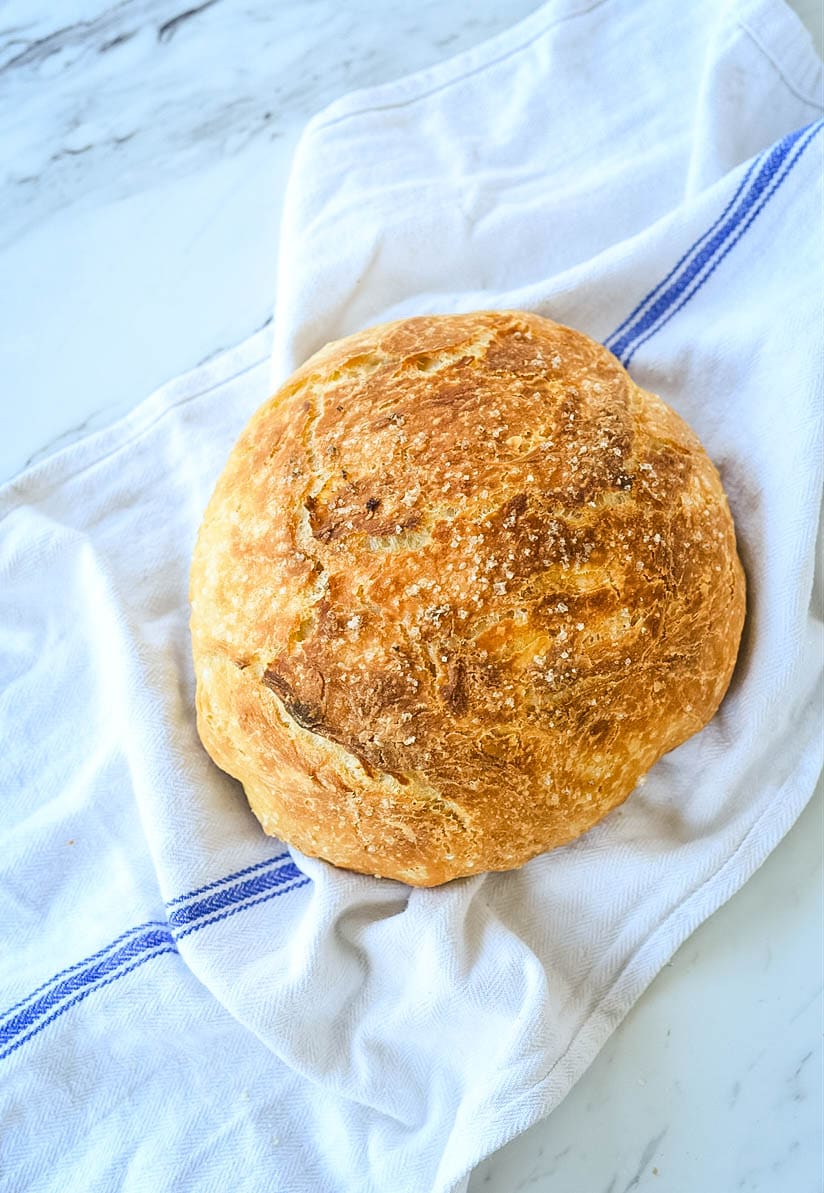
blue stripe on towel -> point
(84, 993)
(234, 894)
(79, 964)
(704, 256)
(210, 886)
(84, 979)
(681, 261)
(252, 903)
(137, 945)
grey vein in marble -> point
(180, 85)
(146, 146)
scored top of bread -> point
(460, 584)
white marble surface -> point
(145, 147)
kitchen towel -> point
(186, 1005)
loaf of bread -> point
(461, 583)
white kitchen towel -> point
(186, 1006)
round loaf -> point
(461, 583)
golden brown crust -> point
(459, 586)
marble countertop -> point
(146, 146)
